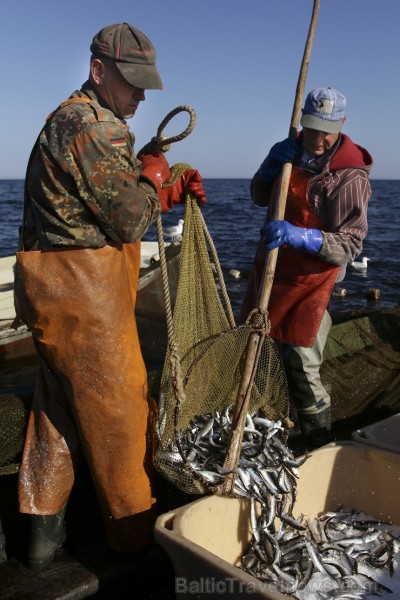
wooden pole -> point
(255, 339)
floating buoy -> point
(235, 273)
(340, 292)
(373, 294)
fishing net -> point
(13, 415)
(204, 363)
(361, 367)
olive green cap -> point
(133, 53)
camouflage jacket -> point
(83, 182)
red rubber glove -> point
(190, 182)
(156, 169)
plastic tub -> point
(206, 538)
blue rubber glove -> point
(277, 233)
(280, 153)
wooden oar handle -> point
(255, 338)
(280, 205)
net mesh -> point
(208, 357)
(13, 414)
(361, 367)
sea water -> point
(234, 223)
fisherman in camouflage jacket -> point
(88, 201)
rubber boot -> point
(315, 425)
(295, 439)
(47, 536)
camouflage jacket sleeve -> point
(107, 175)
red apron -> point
(92, 386)
(303, 283)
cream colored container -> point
(206, 538)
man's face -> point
(318, 142)
(121, 97)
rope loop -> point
(160, 142)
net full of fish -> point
(267, 469)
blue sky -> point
(235, 62)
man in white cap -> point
(88, 201)
(324, 227)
